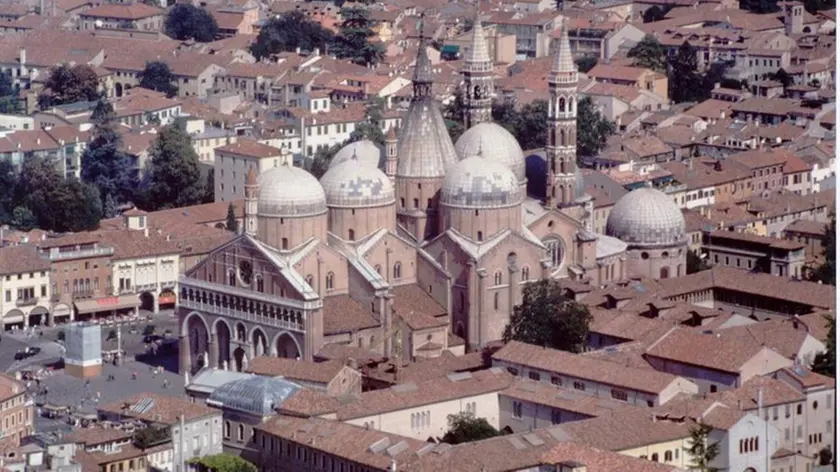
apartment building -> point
(17, 412)
(595, 377)
(140, 107)
(25, 287)
(61, 145)
(780, 257)
(233, 161)
(817, 420)
(129, 16)
(636, 77)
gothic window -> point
(477, 92)
(246, 271)
(496, 301)
(561, 105)
(351, 235)
(480, 236)
(260, 284)
(284, 244)
(397, 270)
(562, 137)
(664, 273)
(554, 251)
(526, 273)
(497, 278)
(231, 278)
(330, 277)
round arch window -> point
(645, 256)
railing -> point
(26, 301)
(145, 287)
(125, 290)
(168, 284)
(238, 314)
(83, 294)
(95, 252)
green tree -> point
(694, 263)
(649, 53)
(825, 273)
(104, 164)
(683, 80)
(173, 171)
(531, 127)
(465, 427)
(78, 206)
(760, 6)
(8, 177)
(355, 40)
(289, 31)
(185, 21)
(824, 361)
(453, 114)
(23, 219)
(9, 102)
(210, 187)
(231, 223)
(371, 127)
(321, 160)
(157, 76)
(586, 63)
(109, 208)
(592, 128)
(702, 452)
(69, 84)
(655, 13)
(223, 463)
(825, 456)
(54, 203)
(781, 76)
(548, 318)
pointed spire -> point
(478, 53)
(252, 177)
(423, 74)
(392, 134)
(564, 64)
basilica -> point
(423, 246)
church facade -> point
(421, 247)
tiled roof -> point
(596, 370)
(612, 72)
(808, 379)
(768, 241)
(722, 353)
(93, 436)
(134, 11)
(745, 397)
(140, 100)
(342, 314)
(251, 148)
(626, 429)
(782, 335)
(411, 395)
(23, 258)
(417, 308)
(162, 408)
(562, 399)
(316, 372)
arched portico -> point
(13, 319)
(286, 345)
(37, 316)
(259, 342)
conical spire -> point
(423, 65)
(564, 64)
(478, 53)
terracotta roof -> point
(768, 241)
(710, 109)
(586, 368)
(164, 409)
(417, 308)
(817, 324)
(626, 429)
(562, 399)
(316, 372)
(612, 72)
(808, 379)
(745, 397)
(250, 148)
(413, 395)
(722, 353)
(426, 369)
(785, 336)
(133, 11)
(20, 259)
(758, 158)
(343, 314)
(140, 100)
(94, 435)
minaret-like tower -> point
(561, 151)
(251, 194)
(391, 154)
(478, 78)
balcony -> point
(82, 294)
(26, 301)
(126, 290)
(56, 255)
(146, 288)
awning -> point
(107, 303)
(449, 49)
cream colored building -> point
(25, 287)
(206, 139)
(234, 160)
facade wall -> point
(671, 452)
(24, 294)
(705, 379)
(352, 224)
(295, 231)
(533, 415)
(201, 437)
(662, 263)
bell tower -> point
(561, 151)
(477, 75)
(251, 198)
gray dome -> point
(352, 184)
(257, 394)
(495, 143)
(366, 151)
(290, 191)
(425, 148)
(477, 182)
(646, 216)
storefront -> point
(106, 306)
(167, 299)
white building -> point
(25, 287)
(234, 161)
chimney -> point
(397, 370)
(22, 56)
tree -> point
(8, 178)
(355, 39)
(157, 76)
(69, 84)
(592, 128)
(232, 224)
(700, 450)
(109, 209)
(80, 206)
(649, 53)
(223, 463)
(655, 13)
(825, 456)
(9, 102)
(465, 427)
(781, 76)
(104, 164)
(288, 32)
(825, 273)
(548, 318)
(321, 160)
(824, 361)
(683, 80)
(23, 219)
(531, 127)
(694, 263)
(371, 127)
(210, 187)
(173, 170)
(586, 63)
(185, 21)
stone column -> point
(50, 320)
(184, 360)
(513, 276)
(213, 350)
(479, 297)
(156, 307)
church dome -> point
(290, 191)
(425, 149)
(495, 143)
(478, 182)
(366, 151)
(646, 216)
(353, 184)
